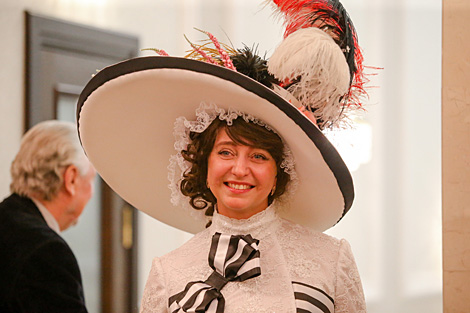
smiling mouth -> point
(239, 186)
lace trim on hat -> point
(205, 114)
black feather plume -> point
(247, 62)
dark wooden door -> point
(60, 59)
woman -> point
(236, 175)
(249, 173)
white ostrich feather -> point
(312, 57)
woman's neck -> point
(256, 225)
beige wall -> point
(12, 71)
(456, 155)
(11, 93)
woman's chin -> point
(239, 209)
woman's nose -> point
(240, 167)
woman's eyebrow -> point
(232, 143)
(227, 142)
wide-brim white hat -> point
(126, 115)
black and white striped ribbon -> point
(233, 258)
(309, 299)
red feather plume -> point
(331, 17)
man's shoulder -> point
(26, 240)
(19, 216)
(23, 231)
(17, 207)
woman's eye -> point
(259, 156)
(224, 153)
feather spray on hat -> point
(319, 60)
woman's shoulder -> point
(305, 243)
(312, 257)
(306, 235)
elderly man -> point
(52, 180)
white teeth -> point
(239, 187)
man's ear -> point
(70, 179)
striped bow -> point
(233, 258)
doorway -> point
(60, 58)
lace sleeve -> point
(155, 296)
(349, 294)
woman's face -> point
(240, 177)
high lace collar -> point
(258, 225)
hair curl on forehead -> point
(193, 184)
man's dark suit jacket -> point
(38, 271)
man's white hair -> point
(46, 150)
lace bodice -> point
(289, 253)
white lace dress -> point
(301, 270)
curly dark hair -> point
(193, 184)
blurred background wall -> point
(394, 226)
